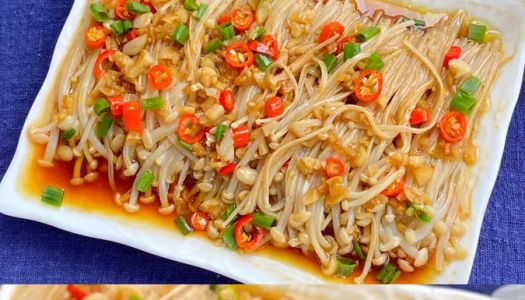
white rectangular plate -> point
(505, 15)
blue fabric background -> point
(36, 253)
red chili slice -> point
(117, 106)
(333, 167)
(223, 19)
(270, 41)
(95, 36)
(396, 188)
(453, 53)
(360, 91)
(453, 127)
(419, 116)
(242, 17)
(226, 100)
(132, 116)
(267, 45)
(132, 34)
(99, 70)
(259, 47)
(247, 240)
(122, 12)
(241, 136)
(76, 292)
(238, 55)
(227, 170)
(273, 107)
(331, 29)
(199, 221)
(187, 130)
(160, 77)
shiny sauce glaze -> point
(97, 197)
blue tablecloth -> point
(35, 253)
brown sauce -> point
(97, 197)
(311, 265)
(94, 197)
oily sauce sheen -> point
(97, 197)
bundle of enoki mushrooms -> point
(349, 179)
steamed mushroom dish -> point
(342, 129)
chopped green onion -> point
(422, 216)
(137, 8)
(385, 271)
(134, 297)
(395, 276)
(68, 134)
(374, 62)
(470, 85)
(330, 61)
(104, 125)
(228, 292)
(256, 33)
(359, 251)
(350, 50)
(219, 131)
(52, 195)
(190, 5)
(201, 11)
(463, 103)
(388, 274)
(417, 23)
(367, 33)
(477, 32)
(101, 106)
(345, 266)
(229, 211)
(263, 61)
(185, 145)
(263, 221)
(99, 12)
(183, 225)
(181, 33)
(227, 31)
(228, 237)
(153, 103)
(392, 277)
(117, 27)
(419, 214)
(145, 181)
(127, 25)
(213, 45)
(420, 24)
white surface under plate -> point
(505, 15)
